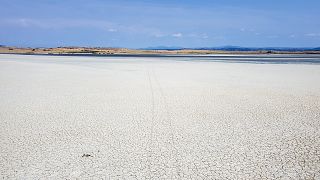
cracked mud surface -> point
(145, 118)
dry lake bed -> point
(85, 117)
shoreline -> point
(86, 51)
(227, 54)
(227, 58)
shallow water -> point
(228, 58)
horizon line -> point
(163, 47)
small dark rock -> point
(87, 155)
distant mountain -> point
(239, 48)
(235, 48)
(227, 48)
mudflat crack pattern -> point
(127, 118)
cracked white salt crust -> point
(157, 118)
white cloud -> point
(199, 36)
(112, 30)
(272, 36)
(292, 36)
(158, 34)
(58, 23)
(177, 35)
(313, 34)
(204, 36)
(247, 30)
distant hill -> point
(235, 48)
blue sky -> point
(145, 23)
